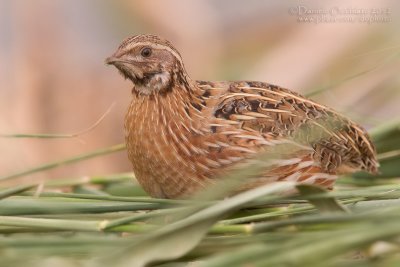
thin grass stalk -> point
(52, 165)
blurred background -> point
(53, 78)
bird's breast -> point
(162, 148)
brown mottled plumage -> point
(182, 133)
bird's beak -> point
(128, 69)
(111, 60)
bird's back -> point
(339, 145)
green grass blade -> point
(322, 204)
(15, 190)
(171, 241)
(51, 165)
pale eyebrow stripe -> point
(155, 45)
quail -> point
(182, 134)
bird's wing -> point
(337, 143)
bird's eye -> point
(146, 52)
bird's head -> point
(150, 62)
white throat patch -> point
(158, 82)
